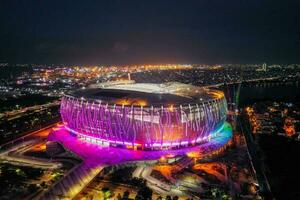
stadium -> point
(144, 116)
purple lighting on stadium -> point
(97, 154)
(150, 120)
(169, 116)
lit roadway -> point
(73, 182)
(243, 81)
(14, 155)
(40, 134)
(18, 113)
(13, 150)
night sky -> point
(136, 32)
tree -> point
(119, 196)
(32, 188)
(106, 193)
(144, 193)
(125, 195)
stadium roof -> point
(146, 94)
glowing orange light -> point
(171, 108)
(162, 159)
(193, 154)
(131, 101)
(289, 126)
(56, 129)
(217, 94)
(170, 155)
(39, 147)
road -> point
(253, 150)
(13, 151)
(14, 113)
(15, 156)
(73, 182)
(38, 134)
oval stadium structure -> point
(144, 116)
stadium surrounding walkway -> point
(73, 182)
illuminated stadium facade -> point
(145, 116)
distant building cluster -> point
(275, 118)
(55, 80)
